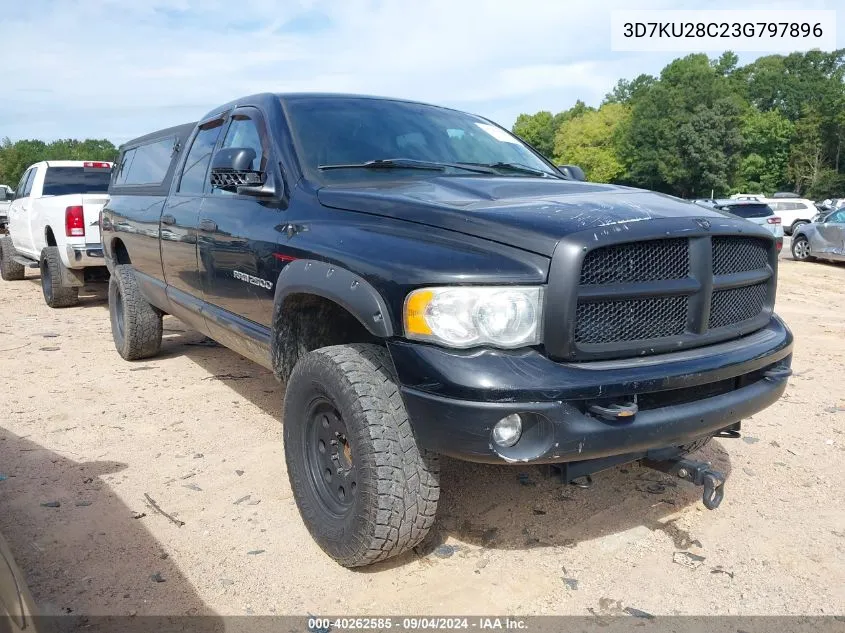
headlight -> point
(467, 316)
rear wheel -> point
(365, 491)
(135, 325)
(10, 270)
(801, 249)
(56, 294)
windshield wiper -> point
(517, 167)
(406, 163)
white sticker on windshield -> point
(497, 133)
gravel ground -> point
(197, 431)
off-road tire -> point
(10, 270)
(135, 324)
(395, 500)
(56, 294)
(801, 249)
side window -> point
(243, 132)
(122, 168)
(147, 164)
(836, 218)
(22, 184)
(27, 189)
(196, 164)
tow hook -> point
(698, 473)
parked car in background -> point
(785, 194)
(54, 226)
(751, 210)
(824, 239)
(6, 195)
(793, 212)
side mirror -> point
(573, 172)
(231, 170)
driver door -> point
(19, 215)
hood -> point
(530, 213)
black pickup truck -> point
(425, 283)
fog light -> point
(508, 430)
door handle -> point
(208, 225)
(168, 219)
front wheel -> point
(56, 294)
(801, 249)
(365, 491)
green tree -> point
(766, 137)
(537, 130)
(16, 157)
(589, 140)
(683, 136)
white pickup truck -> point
(54, 226)
(6, 194)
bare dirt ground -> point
(197, 429)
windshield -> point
(63, 181)
(749, 210)
(353, 130)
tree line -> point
(16, 157)
(709, 125)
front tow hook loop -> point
(698, 473)
(714, 490)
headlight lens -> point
(467, 316)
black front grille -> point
(636, 262)
(737, 304)
(630, 320)
(734, 254)
(622, 306)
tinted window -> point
(749, 210)
(63, 181)
(340, 131)
(196, 165)
(27, 188)
(836, 218)
(244, 133)
(146, 164)
(22, 184)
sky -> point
(118, 69)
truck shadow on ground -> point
(53, 508)
(92, 295)
(499, 507)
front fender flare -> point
(351, 291)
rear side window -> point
(63, 181)
(199, 156)
(749, 210)
(146, 164)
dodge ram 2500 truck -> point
(54, 226)
(424, 283)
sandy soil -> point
(197, 429)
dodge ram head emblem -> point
(704, 224)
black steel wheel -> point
(330, 459)
(363, 487)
